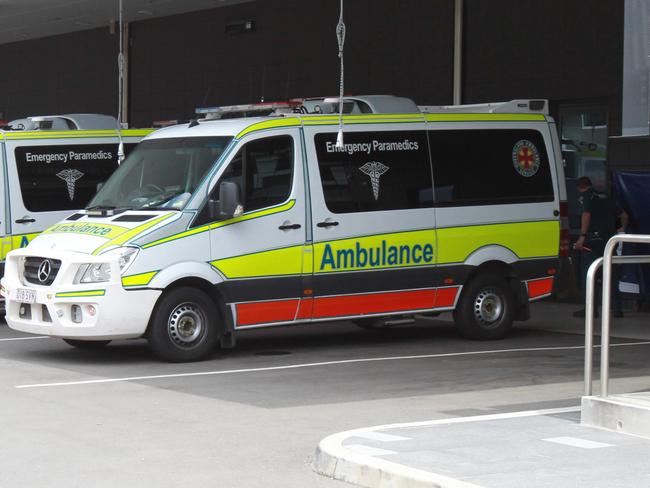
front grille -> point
(36, 270)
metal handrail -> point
(606, 261)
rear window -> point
(375, 171)
(489, 167)
(63, 177)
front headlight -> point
(126, 256)
(101, 272)
(93, 273)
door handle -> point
(289, 226)
(25, 220)
(327, 223)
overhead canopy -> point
(30, 19)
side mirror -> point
(100, 185)
(229, 199)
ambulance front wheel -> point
(184, 326)
(486, 308)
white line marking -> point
(368, 451)
(378, 436)
(576, 442)
(24, 338)
(314, 365)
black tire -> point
(86, 344)
(486, 308)
(184, 326)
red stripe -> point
(263, 312)
(537, 288)
(339, 306)
(374, 303)
(306, 308)
(446, 297)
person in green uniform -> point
(597, 225)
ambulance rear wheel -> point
(486, 308)
(184, 326)
(86, 344)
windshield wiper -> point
(159, 207)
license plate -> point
(25, 295)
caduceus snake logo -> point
(70, 176)
(374, 170)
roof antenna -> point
(120, 89)
(340, 36)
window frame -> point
(426, 163)
(201, 218)
(481, 202)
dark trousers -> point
(586, 258)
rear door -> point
(495, 198)
(5, 243)
(372, 219)
(50, 178)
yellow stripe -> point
(8, 243)
(525, 239)
(126, 236)
(278, 262)
(308, 259)
(484, 117)
(270, 124)
(216, 225)
(105, 231)
(72, 134)
(74, 294)
(141, 279)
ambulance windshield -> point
(160, 173)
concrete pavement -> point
(535, 449)
(531, 449)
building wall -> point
(556, 49)
(392, 46)
(69, 73)
(563, 50)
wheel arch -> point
(207, 281)
(504, 268)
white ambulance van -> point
(220, 226)
(52, 165)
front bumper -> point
(93, 311)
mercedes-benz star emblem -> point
(44, 270)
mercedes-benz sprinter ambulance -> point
(216, 227)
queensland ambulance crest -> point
(525, 158)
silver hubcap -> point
(186, 324)
(488, 307)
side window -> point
(375, 171)
(263, 169)
(63, 177)
(489, 167)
